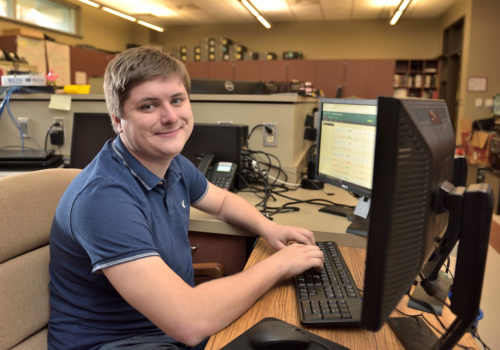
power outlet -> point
(59, 120)
(24, 124)
(271, 138)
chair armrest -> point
(209, 269)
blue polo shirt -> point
(113, 212)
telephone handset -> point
(205, 163)
(222, 174)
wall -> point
(322, 40)
(480, 56)
(483, 57)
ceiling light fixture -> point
(251, 8)
(150, 26)
(123, 15)
(119, 14)
(91, 3)
(401, 8)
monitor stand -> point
(359, 225)
(422, 301)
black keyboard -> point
(329, 297)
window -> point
(3, 8)
(49, 14)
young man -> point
(121, 268)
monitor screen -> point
(345, 148)
(496, 104)
(90, 132)
(346, 143)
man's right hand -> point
(297, 258)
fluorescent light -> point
(249, 6)
(122, 15)
(119, 14)
(404, 4)
(395, 17)
(401, 8)
(263, 21)
(90, 3)
(151, 26)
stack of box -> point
(240, 51)
(225, 49)
(208, 48)
(271, 56)
(197, 56)
(226, 46)
(183, 54)
(292, 55)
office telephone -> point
(222, 174)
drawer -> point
(230, 251)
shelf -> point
(416, 78)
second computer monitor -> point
(90, 132)
(345, 151)
(346, 143)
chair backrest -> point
(27, 205)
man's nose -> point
(167, 114)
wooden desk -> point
(280, 302)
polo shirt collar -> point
(139, 171)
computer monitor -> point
(434, 284)
(413, 200)
(90, 132)
(496, 105)
(345, 151)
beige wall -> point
(483, 59)
(322, 40)
(480, 57)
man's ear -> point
(117, 122)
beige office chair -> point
(27, 205)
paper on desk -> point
(363, 207)
(60, 102)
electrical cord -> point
(255, 176)
(268, 130)
(473, 332)
(6, 104)
(56, 124)
(284, 182)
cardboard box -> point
(32, 33)
(479, 148)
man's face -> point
(157, 121)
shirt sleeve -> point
(111, 224)
(196, 182)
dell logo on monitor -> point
(434, 117)
(229, 85)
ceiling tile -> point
(192, 12)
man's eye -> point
(147, 107)
(177, 101)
